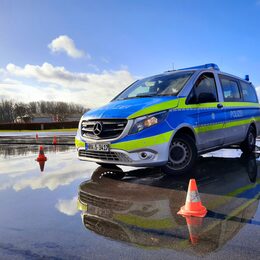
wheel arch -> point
(185, 129)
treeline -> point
(11, 110)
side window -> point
(204, 90)
(230, 89)
(248, 92)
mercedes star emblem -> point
(97, 128)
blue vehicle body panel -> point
(124, 108)
(152, 131)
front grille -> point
(107, 156)
(104, 203)
(103, 128)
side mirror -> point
(206, 98)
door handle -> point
(219, 105)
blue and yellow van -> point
(168, 119)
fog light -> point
(145, 155)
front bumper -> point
(124, 154)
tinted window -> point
(230, 89)
(248, 92)
(205, 90)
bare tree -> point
(10, 110)
(6, 111)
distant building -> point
(45, 118)
(42, 119)
(72, 117)
(23, 119)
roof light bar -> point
(205, 66)
(247, 77)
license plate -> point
(100, 211)
(97, 147)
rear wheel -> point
(182, 155)
(248, 145)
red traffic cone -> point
(41, 163)
(41, 156)
(54, 140)
(193, 205)
(194, 225)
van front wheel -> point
(182, 155)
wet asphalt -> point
(68, 209)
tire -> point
(107, 165)
(250, 164)
(112, 173)
(182, 155)
(248, 145)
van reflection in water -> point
(142, 210)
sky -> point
(88, 51)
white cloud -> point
(68, 207)
(53, 181)
(64, 43)
(58, 172)
(49, 74)
(89, 89)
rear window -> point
(230, 89)
(248, 91)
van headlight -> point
(141, 123)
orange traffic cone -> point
(193, 206)
(41, 163)
(194, 225)
(54, 140)
(41, 156)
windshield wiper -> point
(166, 95)
(146, 95)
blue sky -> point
(136, 38)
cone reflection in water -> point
(194, 225)
(41, 163)
(193, 205)
(41, 156)
(54, 140)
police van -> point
(169, 119)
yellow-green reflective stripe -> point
(206, 128)
(143, 142)
(79, 143)
(212, 127)
(243, 189)
(144, 222)
(180, 104)
(231, 195)
(155, 108)
(81, 206)
(239, 122)
(238, 210)
(240, 104)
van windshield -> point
(160, 85)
